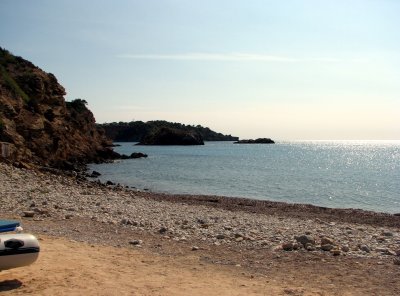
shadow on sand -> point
(9, 285)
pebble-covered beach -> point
(40, 196)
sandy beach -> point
(100, 240)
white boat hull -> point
(18, 250)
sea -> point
(337, 174)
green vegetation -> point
(77, 105)
(135, 131)
(6, 58)
(12, 85)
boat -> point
(16, 249)
(9, 225)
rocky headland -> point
(171, 136)
(136, 131)
(38, 127)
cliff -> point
(37, 125)
(136, 131)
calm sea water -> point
(340, 174)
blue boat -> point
(8, 225)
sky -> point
(288, 70)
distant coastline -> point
(136, 131)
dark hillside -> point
(136, 131)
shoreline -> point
(263, 239)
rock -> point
(309, 247)
(195, 248)
(364, 248)
(110, 183)
(68, 216)
(335, 252)
(396, 261)
(288, 246)
(94, 174)
(136, 242)
(345, 248)
(327, 247)
(220, 236)
(238, 234)
(162, 230)
(390, 252)
(305, 239)
(138, 155)
(239, 239)
(326, 241)
(28, 214)
(387, 233)
(256, 141)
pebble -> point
(162, 230)
(365, 248)
(28, 214)
(136, 242)
(326, 241)
(345, 248)
(327, 247)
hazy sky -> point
(310, 69)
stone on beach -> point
(305, 239)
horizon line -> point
(236, 57)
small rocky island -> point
(256, 141)
(170, 136)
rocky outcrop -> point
(40, 126)
(169, 136)
(256, 141)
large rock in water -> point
(39, 125)
(169, 136)
(256, 141)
